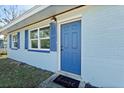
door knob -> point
(61, 48)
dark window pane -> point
(14, 37)
(45, 43)
(44, 32)
(34, 43)
(34, 34)
(15, 44)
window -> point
(40, 38)
(45, 38)
(34, 38)
(14, 40)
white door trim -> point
(59, 45)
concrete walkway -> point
(50, 84)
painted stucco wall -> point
(103, 46)
(47, 61)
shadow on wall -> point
(88, 85)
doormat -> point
(66, 82)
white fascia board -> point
(29, 13)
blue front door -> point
(71, 47)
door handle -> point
(61, 48)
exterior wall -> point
(42, 60)
(102, 46)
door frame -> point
(59, 46)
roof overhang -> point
(35, 14)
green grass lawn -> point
(14, 74)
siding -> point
(103, 46)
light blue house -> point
(82, 42)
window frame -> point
(14, 41)
(29, 39)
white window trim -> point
(38, 29)
(14, 41)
